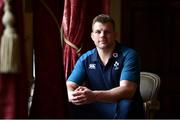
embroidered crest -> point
(116, 66)
(92, 66)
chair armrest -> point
(151, 107)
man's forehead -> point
(99, 25)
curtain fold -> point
(73, 28)
(50, 96)
(77, 18)
(7, 96)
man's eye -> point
(107, 32)
(98, 32)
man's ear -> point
(92, 37)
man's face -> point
(103, 35)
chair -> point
(149, 88)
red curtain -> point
(50, 96)
(73, 27)
(13, 87)
(77, 18)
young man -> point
(111, 73)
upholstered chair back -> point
(149, 88)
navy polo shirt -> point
(123, 65)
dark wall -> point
(152, 27)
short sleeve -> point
(131, 66)
(78, 73)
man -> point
(105, 81)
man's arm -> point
(71, 86)
(83, 95)
(126, 90)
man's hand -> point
(82, 95)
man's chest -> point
(104, 77)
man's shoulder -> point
(87, 54)
(126, 50)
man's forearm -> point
(113, 95)
(70, 88)
(105, 96)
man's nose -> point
(102, 33)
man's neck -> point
(105, 54)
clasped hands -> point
(81, 95)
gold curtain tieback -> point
(60, 31)
(73, 46)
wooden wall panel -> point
(176, 42)
(152, 27)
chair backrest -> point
(149, 85)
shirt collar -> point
(115, 54)
(95, 55)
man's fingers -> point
(80, 88)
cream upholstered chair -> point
(149, 88)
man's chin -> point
(103, 47)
